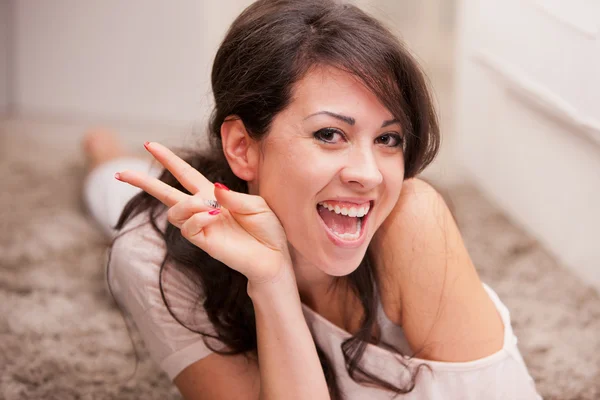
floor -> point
(61, 337)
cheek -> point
(298, 168)
(393, 178)
(395, 182)
(289, 181)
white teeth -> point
(351, 212)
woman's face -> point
(335, 146)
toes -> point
(101, 145)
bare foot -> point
(102, 145)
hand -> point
(244, 233)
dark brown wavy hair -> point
(269, 48)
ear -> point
(241, 151)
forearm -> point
(288, 361)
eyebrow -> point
(349, 120)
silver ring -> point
(212, 203)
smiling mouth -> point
(346, 223)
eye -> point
(390, 140)
(327, 135)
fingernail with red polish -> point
(215, 212)
(146, 145)
(118, 176)
(221, 186)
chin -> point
(341, 267)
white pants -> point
(105, 197)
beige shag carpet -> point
(61, 336)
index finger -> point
(189, 177)
(164, 193)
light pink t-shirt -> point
(134, 268)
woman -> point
(324, 269)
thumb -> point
(239, 203)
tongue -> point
(337, 222)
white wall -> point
(5, 20)
(528, 110)
(139, 60)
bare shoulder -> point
(445, 311)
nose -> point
(362, 169)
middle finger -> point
(189, 177)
